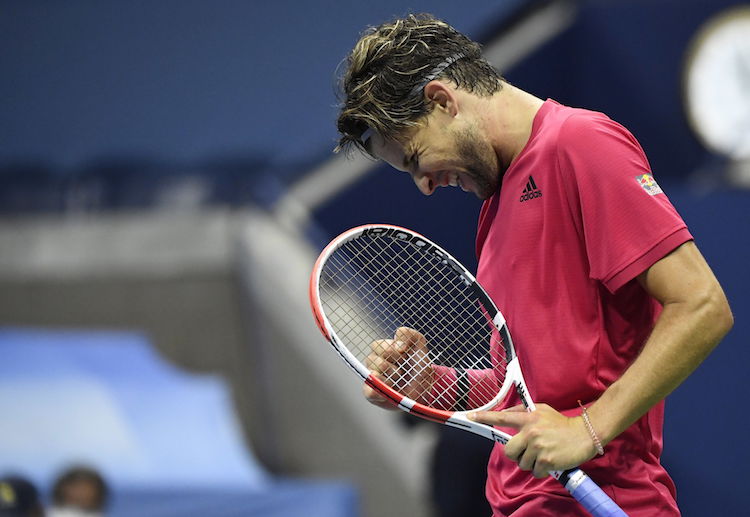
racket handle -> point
(588, 493)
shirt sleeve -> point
(626, 221)
(480, 387)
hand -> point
(546, 440)
(403, 364)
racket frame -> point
(575, 481)
(459, 419)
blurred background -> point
(167, 181)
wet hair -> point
(381, 88)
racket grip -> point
(591, 497)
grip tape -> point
(595, 500)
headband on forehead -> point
(439, 69)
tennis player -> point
(608, 298)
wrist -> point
(591, 431)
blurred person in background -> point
(578, 245)
(79, 491)
(19, 498)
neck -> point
(509, 120)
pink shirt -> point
(577, 218)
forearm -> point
(684, 334)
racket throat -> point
(460, 421)
(513, 372)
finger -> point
(517, 449)
(371, 394)
(371, 361)
(382, 346)
(527, 459)
(398, 350)
(410, 337)
(507, 418)
(389, 349)
(541, 468)
(374, 397)
(381, 367)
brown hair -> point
(388, 68)
(81, 473)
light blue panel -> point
(108, 399)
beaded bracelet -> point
(590, 428)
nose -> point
(425, 182)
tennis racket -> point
(452, 352)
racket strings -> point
(401, 279)
(421, 298)
(370, 287)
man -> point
(19, 498)
(608, 298)
(79, 491)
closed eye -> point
(411, 162)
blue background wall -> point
(183, 80)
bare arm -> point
(695, 317)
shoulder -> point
(592, 131)
(566, 130)
(590, 142)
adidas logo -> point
(531, 191)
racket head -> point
(338, 297)
(375, 279)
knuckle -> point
(533, 433)
(544, 462)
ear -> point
(443, 96)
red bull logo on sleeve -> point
(649, 184)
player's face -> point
(442, 156)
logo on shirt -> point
(531, 191)
(649, 184)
